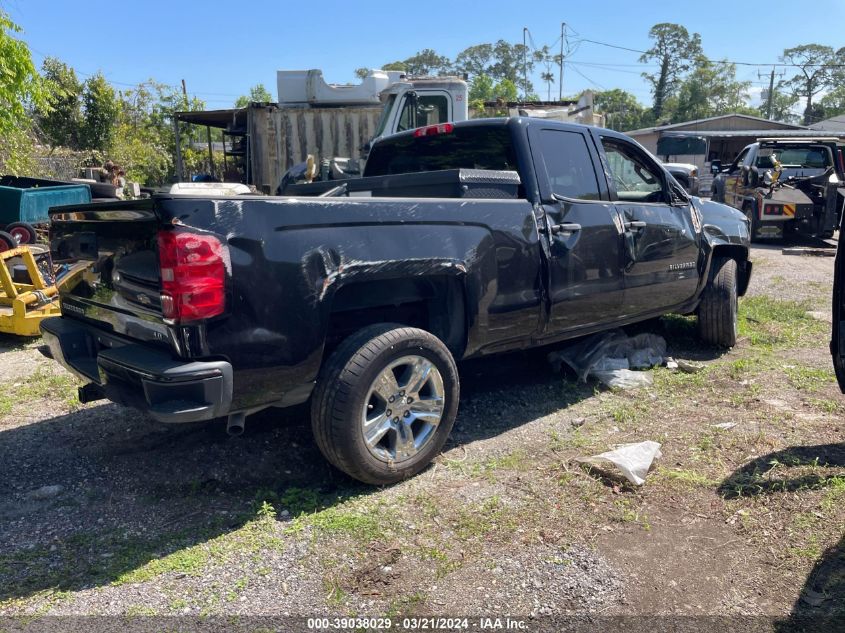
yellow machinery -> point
(24, 305)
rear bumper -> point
(140, 376)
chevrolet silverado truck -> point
(461, 240)
(786, 186)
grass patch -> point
(808, 378)
(38, 386)
(772, 323)
(827, 405)
(362, 521)
(688, 477)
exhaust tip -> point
(235, 424)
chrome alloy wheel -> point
(404, 405)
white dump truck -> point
(335, 123)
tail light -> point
(434, 130)
(193, 275)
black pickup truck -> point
(461, 241)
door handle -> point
(566, 227)
(635, 225)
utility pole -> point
(771, 95)
(525, 63)
(560, 78)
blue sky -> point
(221, 48)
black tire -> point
(717, 311)
(716, 195)
(7, 242)
(22, 232)
(341, 398)
(751, 214)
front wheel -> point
(717, 312)
(385, 403)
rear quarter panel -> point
(290, 257)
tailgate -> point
(108, 267)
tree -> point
(60, 121)
(144, 141)
(833, 102)
(674, 50)
(20, 90)
(475, 60)
(711, 89)
(544, 56)
(257, 94)
(427, 62)
(505, 91)
(817, 71)
(513, 62)
(621, 109)
(100, 109)
(480, 90)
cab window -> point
(428, 110)
(631, 174)
(565, 156)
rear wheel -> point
(7, 242)
(717, 312)
(751, 213)
(22, 232)
(385, 403)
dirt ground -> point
(104, 512)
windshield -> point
(807, 157)
(385, 114)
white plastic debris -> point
(624, 378)
(724, 426)
(633, 460)
(689, 367)
(609, 357)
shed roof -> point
(836, 123)
(769, 133)
(722, 117)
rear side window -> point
(565, 156)
(478, 147)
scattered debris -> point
(689, 367)
(624, 378)
(809, 250)
(634, 460)
(725, 426)
(610, 356)
(46, 492)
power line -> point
(721, 61)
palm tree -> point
(549, 78)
